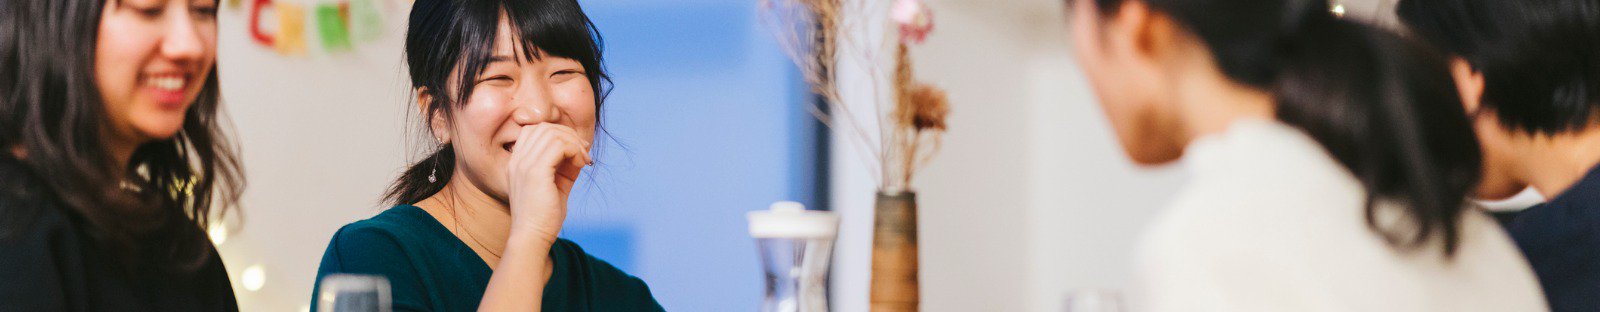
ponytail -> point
(414, 185)
(1384, 107)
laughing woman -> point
(512, 91)
(110, 156)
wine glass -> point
(354, 293)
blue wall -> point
(709, 118)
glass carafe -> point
(796, 246)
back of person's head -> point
(1381, 105)
(1540, 59)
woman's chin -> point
(158, 131)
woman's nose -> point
(183, 41)
(534, 107)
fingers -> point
(520, 151)
(550, 146)
(561, 148)
(571, 136)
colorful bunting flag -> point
(291, 36)
(330, 23)
(340, 24)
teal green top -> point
(429, 269)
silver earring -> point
(433, 174)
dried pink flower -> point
(914, 19)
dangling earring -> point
(433, 174)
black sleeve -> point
(41, 262)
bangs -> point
(555, 28)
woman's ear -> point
(436, 122)
(1143, 33)
(1149, 42)
(1469, 82)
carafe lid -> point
(787, 219)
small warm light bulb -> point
(218, 233)
(253, 278)
(1338, 10)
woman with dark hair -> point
(1330, 167)
(512, 91)
(1528, 73)
(111, 160)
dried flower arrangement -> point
(810, 31)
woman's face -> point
(1127, 82)
(513, 92)
(151, 60)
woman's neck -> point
(1554, 163)
(477, 219)
(1209, 103)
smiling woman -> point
(112, 161)
(512, 91)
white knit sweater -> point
(1271, 222)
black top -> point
(1561, 239)
(49, 263)
(430, 269)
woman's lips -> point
(168, 90)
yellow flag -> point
(291, 37)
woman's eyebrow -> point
(501, 58)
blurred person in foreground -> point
(1331, 161)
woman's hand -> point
(545, 162)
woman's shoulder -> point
(32, 226)
(397, 244)
(1285, 247)
(399, 218)
(20, 186)
(26, 206)
(400, 232)
(398, 225)
(40, 244)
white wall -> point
(321, 138)
(1031, 156)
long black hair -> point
(1382, 105)
(158, 205)
(452, 36)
